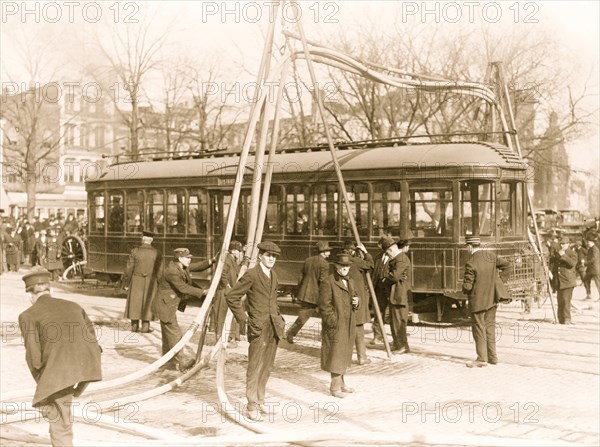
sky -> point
(233, 32)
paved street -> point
(545, 388)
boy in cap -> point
(479, 284)
(140, 282)
(265, 323)
(314, 271)
(338, 303)
(62, 362)
(174, 285)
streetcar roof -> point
(417, 156)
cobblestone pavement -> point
(545, 388)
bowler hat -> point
(473, 240)
(236, 245)
(343, 259)
(39, 276)
(403, 243)
(349, 245)
(323, 246)
(387, 242)
(269, 246)
(147, 233)
(182, 253)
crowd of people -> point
(38, 242)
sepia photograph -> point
(315, 223)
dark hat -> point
(343, 259)
(39, 276)
(147, 233)
(269, 246)
(387, 242)
(349, 244)
(564, 240)
(323, 246)
(236, 245)
(403, 243)
(473, 240)
(182, 253)
(591, 235)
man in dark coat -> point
(563, 263)
(362, 262)
(12, 248)
(399, 281)
(382, 291)
(592, 272)
(338, 303)
(483, 287)
(314, 271)
(140, 282)
(62, 353)
(28, 238)
(174, 285)
(265, 324)
(52, 254)
(231, 270)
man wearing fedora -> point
(62, 361)
(140, 282)
(265, 323)
(592, 272)
(399, 281)
(175, 285)
(483, 286)
(314, 271)
(563, 263)
(338, 303)
(229, 276)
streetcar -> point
(434, 194)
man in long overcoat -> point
(592, 272)
(12, 248)
(483, 288)
(52, 254)
(28, 238)
(314, 271)
(265, 324)
(229, 276)
(338, 303)
(399, 280)
(382, 291)
(563, 263)
(140, 281)
(62, 353)
(362, 262)
(175, 285)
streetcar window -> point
(221, 201)
(176, 211)
(478, 207)
(512, 214)
(325, 205)
(155, 212)
(274, 218)
(135, 201)
(431, 209)
(116, 216)
(97, 212)
(197, 209)
(386, 209)
(358, 195)
(296, 209)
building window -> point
(69, 170)
(82, 169)
(99, 136)
(70, 134)
(84, 136)
(69, 102)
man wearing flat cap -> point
(399, 282)
(62, 353)
(338, 303)
(563, 263)
(314, 271)
(482, 285)
(140, 281)
(175, 285)
(265, 323)
(229, 276)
